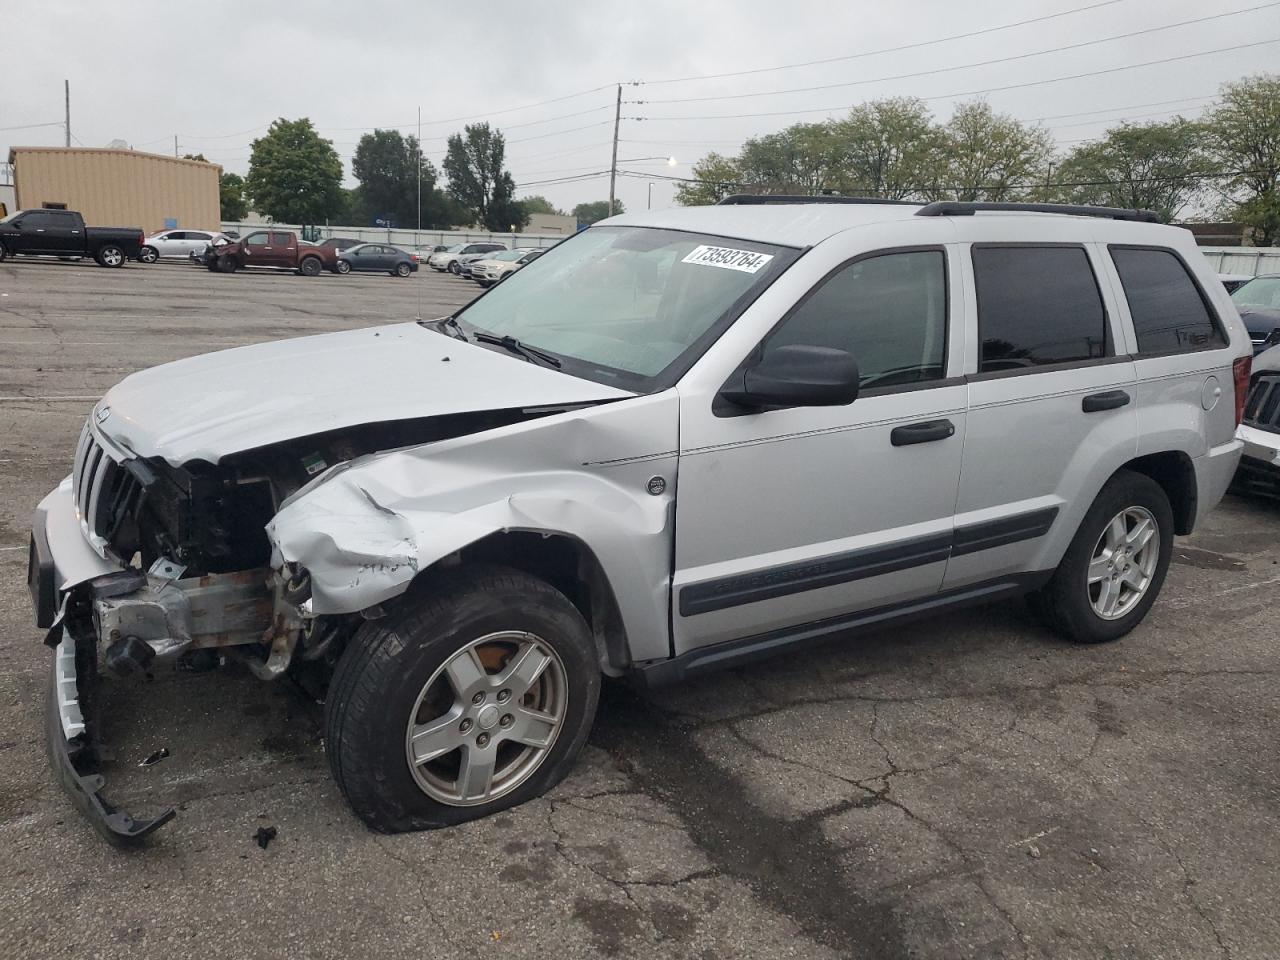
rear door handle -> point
(1110, 400)
(924, 432)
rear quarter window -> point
(1037, 305)
(1169, 311)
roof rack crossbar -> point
(967, 208)
(747, 199)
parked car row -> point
(284, 250)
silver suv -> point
(677, 441)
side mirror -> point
(796, 375)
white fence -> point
(411, 239)
(1245, 261)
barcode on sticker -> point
(748, 261)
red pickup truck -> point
(275, 249)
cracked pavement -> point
(969, 786)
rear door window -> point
(282, 239)
(1169, 312)
(1037, 305)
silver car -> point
(177, 243)
(677, 441)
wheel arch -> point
(1174, 471)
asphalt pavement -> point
(970, 786)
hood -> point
(217, 404)
(1259, 320)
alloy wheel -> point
(1123, 563)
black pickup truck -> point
(62, 233)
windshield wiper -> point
(512, 345)
(446, 325)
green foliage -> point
(474, 162)
(890, 149)
(589, 213)
(540, 204)
(1153, 166)
(985, 155)
(715, 177)
(294, 175)
(1244, 134)
(387, 165)
(804, 158)
(232, 204)
(195, 156)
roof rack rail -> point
(967, 208)
(748, 199)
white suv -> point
(676, 441)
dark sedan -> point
(377, 258)
(1259, 304)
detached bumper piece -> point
(72, 754)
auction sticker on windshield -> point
(748, 261)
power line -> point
(872, 53)
(985, 90)
(1131, 106)
(32, 126)
(964, 66)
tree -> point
(232, 204)
(805, 158)
(1152, 166)
(589, 213)
(294, 175)
(540, 204)
(990, 156)
(715, 177)
(890, 147)
(474, 162)
(387, 165)
(195, 156)
(1244, 133)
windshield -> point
(507, 255)
(456, 248)
(628, 306)
(1262, 292)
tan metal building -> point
(118, 188)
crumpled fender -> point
(365, 530)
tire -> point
(110, 255)
(148, 255)
(343, 267)
(455, 269)
(310, 267)
(403, 270)
(3, 253)
(392, 670)
(227, 265)
(1069, 604)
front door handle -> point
(924, 432)
(1111, 400)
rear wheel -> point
(1115, 566)
(309, 267)
(148, 255)
(403, 270)
(474, 697)
(110, 255)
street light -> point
(671, 161)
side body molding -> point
(365, 529)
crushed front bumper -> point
(58, 560)
(1259, 470)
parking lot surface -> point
(966, 787)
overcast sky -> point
(217, 74)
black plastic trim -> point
(1107, 400)
(765, 645)
(967, 208)
(85, 787)
(999, 533)
(782, 581)
(760, 199)
(1047, 368)
(41, 574)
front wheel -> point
(148, 255)
(475, 696)
(343, 267)
(110, 255)
(227, 265)
(455, 269)
(3, 253)
(1115, 566)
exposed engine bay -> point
(198, 571)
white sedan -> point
(176, 243)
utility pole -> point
(613, 166)
(175, 144)
(66, 87)
(417, 240)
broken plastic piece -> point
(156, 757)
(264, 835)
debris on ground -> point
(155, 757)
(264, 835)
